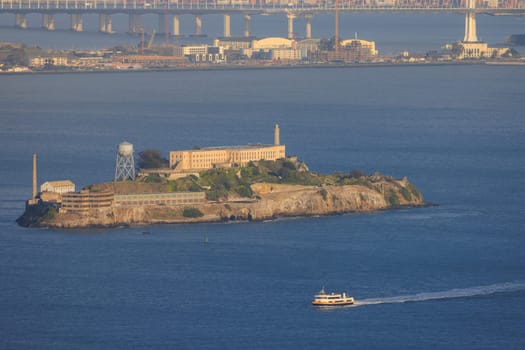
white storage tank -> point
(125, 149)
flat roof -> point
(217, 148)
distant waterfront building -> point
(311, 45)
(200, 53)
(273, 43)
(479, 50)
(188, 50)
(41, 61)
(275, 48)
(232, 43)
(287, 54)
(146, 61)
(364, 47)
(62, 186)
(225, 157)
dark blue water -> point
(456, 131)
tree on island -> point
(152, 159)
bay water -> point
(450, 276)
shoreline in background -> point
(518, 62)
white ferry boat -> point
(333, 299)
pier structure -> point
(169, 11)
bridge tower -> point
(125, 167)
(470, 23)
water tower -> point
(125, 167)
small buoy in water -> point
(205, 239)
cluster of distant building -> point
(223, 51)
(242, 49)
(272, 50)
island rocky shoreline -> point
(268, 201)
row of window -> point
(160, 202)
(160, 196)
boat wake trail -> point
(449, 294)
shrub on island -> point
(192, 213)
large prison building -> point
(225, 157)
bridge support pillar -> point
(21, 21)
(109, 24)
(470, 23)
(135, 23)
(227, 27)
(290, 17)
(48, 22)
(176, 26)
(102, 23)
(76, 22)
(308, 26)
(198, 25)
(247, 20)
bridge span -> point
(169, 11)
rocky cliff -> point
(268, 201)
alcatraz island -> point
(214, 184)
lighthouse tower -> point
(276, 135)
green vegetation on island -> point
(220, 184)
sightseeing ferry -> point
(332, 299)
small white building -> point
(62, 186)
(480, 50)
(287, 54)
